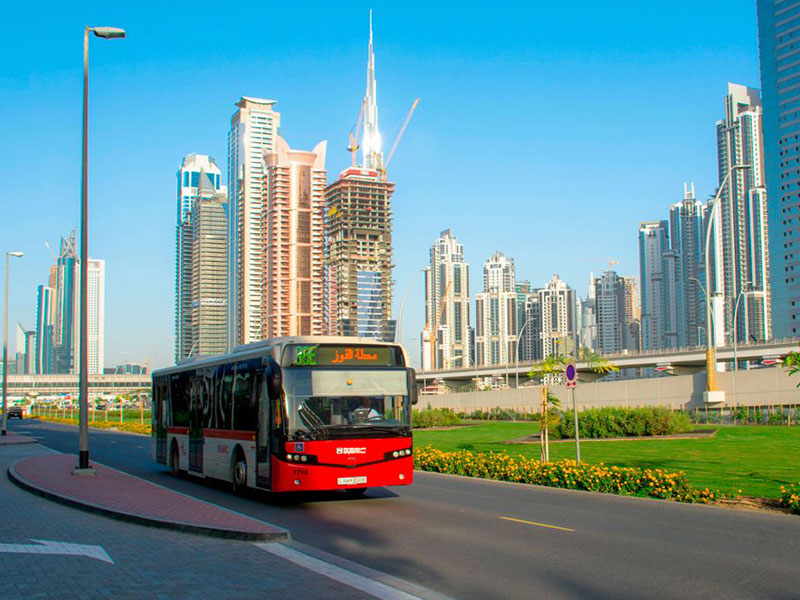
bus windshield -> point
(334, 403)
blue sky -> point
(546, 132)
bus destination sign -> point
(336, 355)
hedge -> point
(142, 428)
(629, 481)
(621, 422)
(434, 417)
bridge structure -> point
(674, 361)
(45, 388)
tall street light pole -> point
(5, 345)
(83, 415)
(735, 323)
(712, 394)
(519, 339)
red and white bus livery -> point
(290, 414)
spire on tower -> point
(371, 145)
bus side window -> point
(244, 415)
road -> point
(480, 539)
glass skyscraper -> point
(779, 48)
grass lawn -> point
(754, 459)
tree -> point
(792, 363)
(546, 372)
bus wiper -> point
(312, 421)
(398, 430)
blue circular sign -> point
(570, 372)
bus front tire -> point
(239, 472)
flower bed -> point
(790, 498)
(629, 481)
(142, 428)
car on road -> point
(15, 412)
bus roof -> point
(272, 347)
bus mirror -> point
(274, 380)
(413, 392)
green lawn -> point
(754, 459)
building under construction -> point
(358, 232)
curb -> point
(279, 536)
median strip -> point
(537, 524)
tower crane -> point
(354, 146)
(382, 168)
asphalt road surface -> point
(470, 538)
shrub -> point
(130, 427)
(499, 414)
(630, 481)
(435, 417)
(790, 498)
(621, 422)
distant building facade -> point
(496, 313)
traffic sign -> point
(572, 375)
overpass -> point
(676, 361)
(49, 386)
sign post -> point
(572, 382)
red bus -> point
(289, 414)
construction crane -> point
(353, 147)
(382, 168)
(611, 261)
(431, 332)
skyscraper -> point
(254, 129)
(559, 319)
(96, 307)
(45, 320)
(209, 269)
(633, 313)
(198, 177)
(447, 303)
(687, 238)
(496, 313)
(613, 335)
(741, 255)
(294, 235)
(778, 33)
(66, 330)
(358, 236)
(657, 275)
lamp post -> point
(519, 339)
(5, 345)
(83, 414)
(711, 358)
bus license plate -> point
(351, 480)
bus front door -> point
(159, 409)
(263, 432)
(196, 426)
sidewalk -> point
(14, 438)
(129, 498)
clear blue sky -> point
(545, 131)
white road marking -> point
(359, 582)
(49, 547)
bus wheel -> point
(355, 492)
(239, 472)
(174, 461)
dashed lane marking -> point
(359, 582)
(537, 524)
(50, 547)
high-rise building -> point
(447, 303)
(530, 338)
(209, 270)
(96, 311)
(613, 333)
(45, 328)
(67, 308)
(687, 240)
(254, 129)
(294, 235)
(741, 256)
(633, 313)
(198, 176)
(778, 35)
(657, 275)
(496, 313)
(559, 318)
(358, 235)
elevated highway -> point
(677, 361)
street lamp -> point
(5, 345)
(519, 339)
(711, 358)
(735, 322)
(83, 414)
